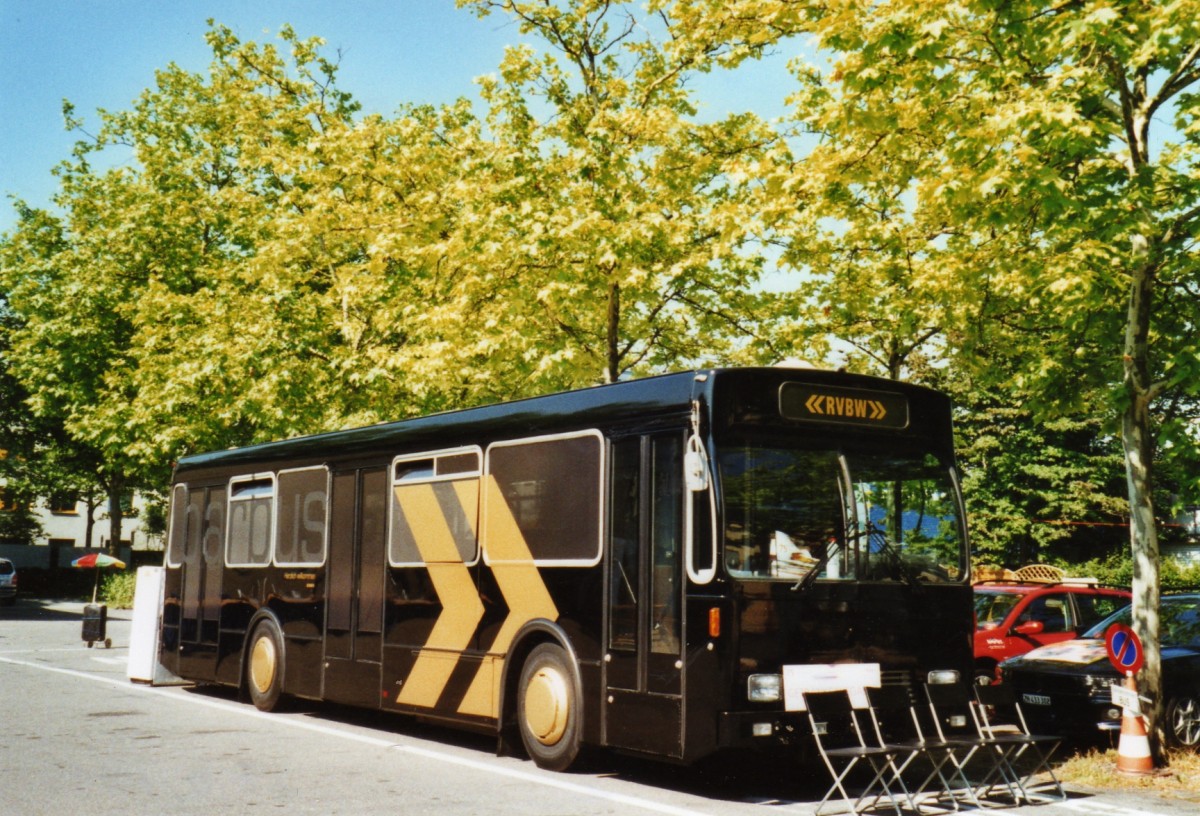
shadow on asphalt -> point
(47, 609)
(745, 777)
(749, 777)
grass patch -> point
(1098, 769)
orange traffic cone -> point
(1133, 751)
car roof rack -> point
(1035, 575)
(1039, 574)
(1029, 574)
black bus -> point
(629, 566)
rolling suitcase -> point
(95, 624)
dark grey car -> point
(1065, 688)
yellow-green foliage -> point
(117, 589)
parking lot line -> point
(1101, 809)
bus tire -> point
(264, 666)
(549, 712)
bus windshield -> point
(798, 515)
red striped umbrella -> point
(97, 560)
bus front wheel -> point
(264, 666)
(548, 708)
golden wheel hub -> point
(263, 661)
(547, 706)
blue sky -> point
(103, 53)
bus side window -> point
(624, 570)
(702, 550)
(300, 523)
(195, 515)
(547, 490)
(667, 532)
(434, 507)
(251, 501)
(177, 537)
(214, 526)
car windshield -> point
(991, 608)
(793, 514)
(1179, 621)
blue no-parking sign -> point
(1124, 649)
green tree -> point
(52, 365)
(227, 345)
(180, 213)
(17, 434)
(1031, 168)
(1039, 491)
(262, 262)
(201, 294)
(622, 226)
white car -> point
(8, 582)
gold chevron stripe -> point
(522, 587)
(461, 607)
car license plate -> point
(1036, 699)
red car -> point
(1012, 617)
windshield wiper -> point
(811, 576)
(895, 556)
(873, 534)
(832, 549)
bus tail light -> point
(714, 622)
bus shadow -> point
(758, 778)
(373, 719)
(746, 777)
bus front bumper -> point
(766, 729)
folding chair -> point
(955, 720)
(843, 741)
(1001, 720)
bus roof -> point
(630, 401)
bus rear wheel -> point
(264, 666)
(548, 708)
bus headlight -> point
(764, 688)
(942, 677)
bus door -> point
(644, 658)
(354, 614)
(202, 566)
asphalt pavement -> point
(77, 737)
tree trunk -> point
(1137, 439)
(89, 530)
(1144, 544)
(612, 370)
(115, 488)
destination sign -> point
(855, 406)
